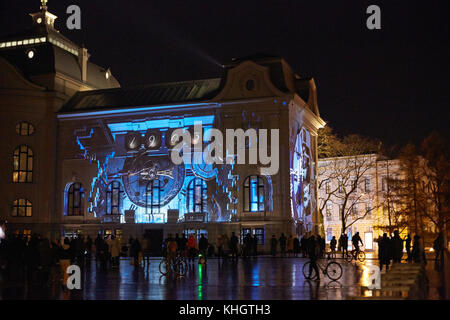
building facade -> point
(40, 71)
(101, 161)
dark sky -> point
(391, 83)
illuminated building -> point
(111, 171)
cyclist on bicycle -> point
(356, 239)
(313, 252)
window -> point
(327, 187)
(368, 210)
(24, 128)
(353, 183)
(254, 194)
(196, 201)
(23, 164)
(383, 184)
(259, 234)
(329, 213)
(367, 185)
(153, 197)
(75, 200)
(22, 208)
(114, 198)
(355, 210)
(329, 233)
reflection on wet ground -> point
(260, 278)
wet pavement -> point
(255, 279)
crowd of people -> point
(36, 258)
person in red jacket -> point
(191, 247)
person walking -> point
(397, 248)
(219, 245)
(234, 241)
(64, 260)
(283, 242)
(296, 244)
(408, 247)
(290, 246)
(438, 247)
(384, 254)
(417, 251)
(146, 251)
(344, 244)
(191, 247)
(333, 243)
(313, 251)
(273, 245)
(136, 251)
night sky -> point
(391, 84)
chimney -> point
(83, 57)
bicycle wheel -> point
(361, 256)
(306, 271)
(349, 257)
(164, 267)
(334, 271)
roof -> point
(162, 93)
(53, 53)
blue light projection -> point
(135, 169)
(302, 183)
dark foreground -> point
(264, 278)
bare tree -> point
(343, 175)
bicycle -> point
(177, 265)
(361, 256)
(333, 270)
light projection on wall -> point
(138, 158)
(302, 184)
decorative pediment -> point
(248, 80)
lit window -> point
(75, 200)
(24, 128)
(254, 194)
(114, 198)
(22, 208)
(14, 43)
(355, 210)
(153, 197)
(259, 234)
(43, 39)
(25, 42)
(196, 201)
(31, 41)
(8, 44)
(39, 20)
(2, 45)
(23, 164)
(19, 43)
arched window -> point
(23, 164)
(153, 197)
(254, 194)
(114, 198)
(196, 201)
(24, 128)
(22, 208)
(75, 200)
